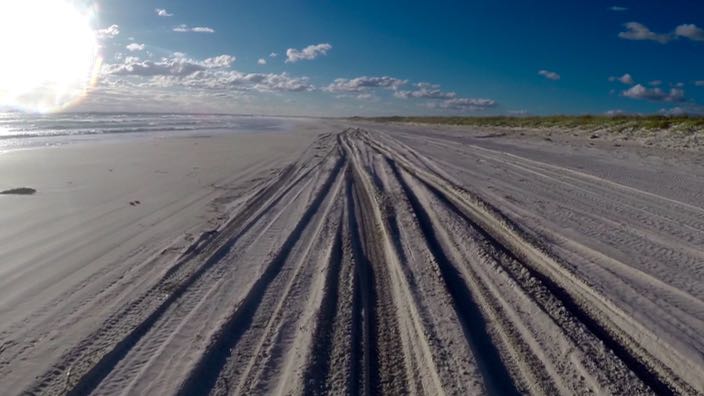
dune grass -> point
(590, 122)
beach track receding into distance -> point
(368, 266)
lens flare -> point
(50, 54)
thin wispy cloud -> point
(550, 75)
(109, 32)
(699, 83)
(464, 104)
(197, 29)
(675, 111)
(624, 79)
(425, 90)
(618, 8)
(656, 94)
(135, 47)
(308, 53)
(162, 12)
(273, 55)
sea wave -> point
(50, 128)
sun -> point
(49, 54)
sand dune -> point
(394, 260)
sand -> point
(351, 258)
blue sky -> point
(405, 57)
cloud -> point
(365, 96)
(162, 12)
(615, 112)
(690, 31)
(220, 61)
(638, 31)
(675, 111)
(426, 91)
(260, 82)
(618, 8)
(273, 55)
(261, 61)
(108, 33)
(207, 74)
(655, 83)
(624, 79)
(550, 75)
(197, 29)
(308, 53)
(654, 94)
(699, 83)
(135, 47)
(363, 83)
(178, 66)
(464, 104)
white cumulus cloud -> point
(261, 61)
(654, 94)
(220, 61)
(363, 83)
(162, 12)
(638, 31)
(212, 74)
(135, 47)
(690, 31)
(108, 33)
(308, 53)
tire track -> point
(496, 376)
(204, 376)
(79, 371)
(505, 235)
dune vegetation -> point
(618, 123)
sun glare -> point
(49, 54)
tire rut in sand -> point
(83, 367)
(496, 376)
(202, 379)
(624, 350)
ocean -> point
(20, 130)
